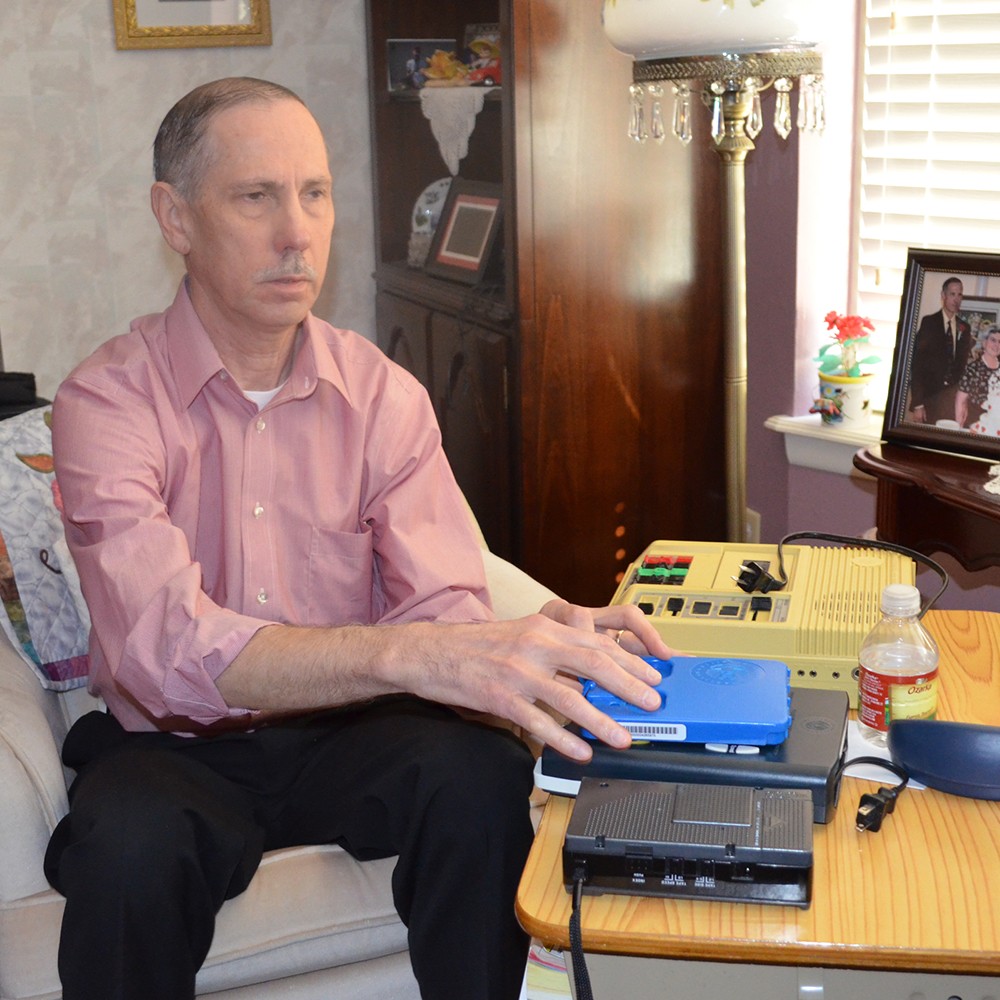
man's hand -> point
(514, 669)
(526, 671)
(626, 624)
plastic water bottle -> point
(899, 667)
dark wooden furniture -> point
(579, 394)
(935, 502)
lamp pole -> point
(733, 148)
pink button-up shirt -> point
(195, 519)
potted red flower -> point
(843, 386)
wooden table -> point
(935, 502)
(922, 894)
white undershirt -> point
(262, 396)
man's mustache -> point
(292, 266)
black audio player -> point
(713, 842)
(810, 758)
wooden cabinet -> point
(404, 329)
(470, 396)
(465, 365)
(580, 394)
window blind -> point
(930, 143)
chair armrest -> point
(514, 593)
(32, 780)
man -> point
(940, 353)
(286, 593)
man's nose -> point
(293, 230)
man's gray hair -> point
(180, 155)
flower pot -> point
(843, 400)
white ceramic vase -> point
(843, 400)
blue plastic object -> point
(708, 700)
(962, 758)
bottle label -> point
(884, 697)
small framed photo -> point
(410, 59)
(944, 391)
(481, 53)
(467, 231)
(177, 24)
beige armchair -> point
(314, 923)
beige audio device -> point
(815, 623)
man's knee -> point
(142, 821)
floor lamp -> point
(730, 51)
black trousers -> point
(163, 829)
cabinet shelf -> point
(483, 303)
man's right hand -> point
(519, 669)
(526, 671)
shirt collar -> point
(315, 361)
(195, 361)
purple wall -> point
(789, 498)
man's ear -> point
(171, 213)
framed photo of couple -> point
(944, 391)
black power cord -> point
(755, 578)
(874, 807)
(581, 975)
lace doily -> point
(452, 113)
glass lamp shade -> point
(665, 29)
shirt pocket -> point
(339, 580)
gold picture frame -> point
(177, 24)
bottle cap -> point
(900, 599)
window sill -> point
(811, 444)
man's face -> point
(951, 297)
(259, 225)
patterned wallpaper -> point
(80, 253)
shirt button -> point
(262, 597)
(223, 376)
(261, 424)
(258, 510)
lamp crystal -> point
(717, 89)
(637, 115)
(783, 107)
(812, 113)
(682, 113)
(755, 123)
(657, 130)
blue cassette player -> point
(708, 700)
